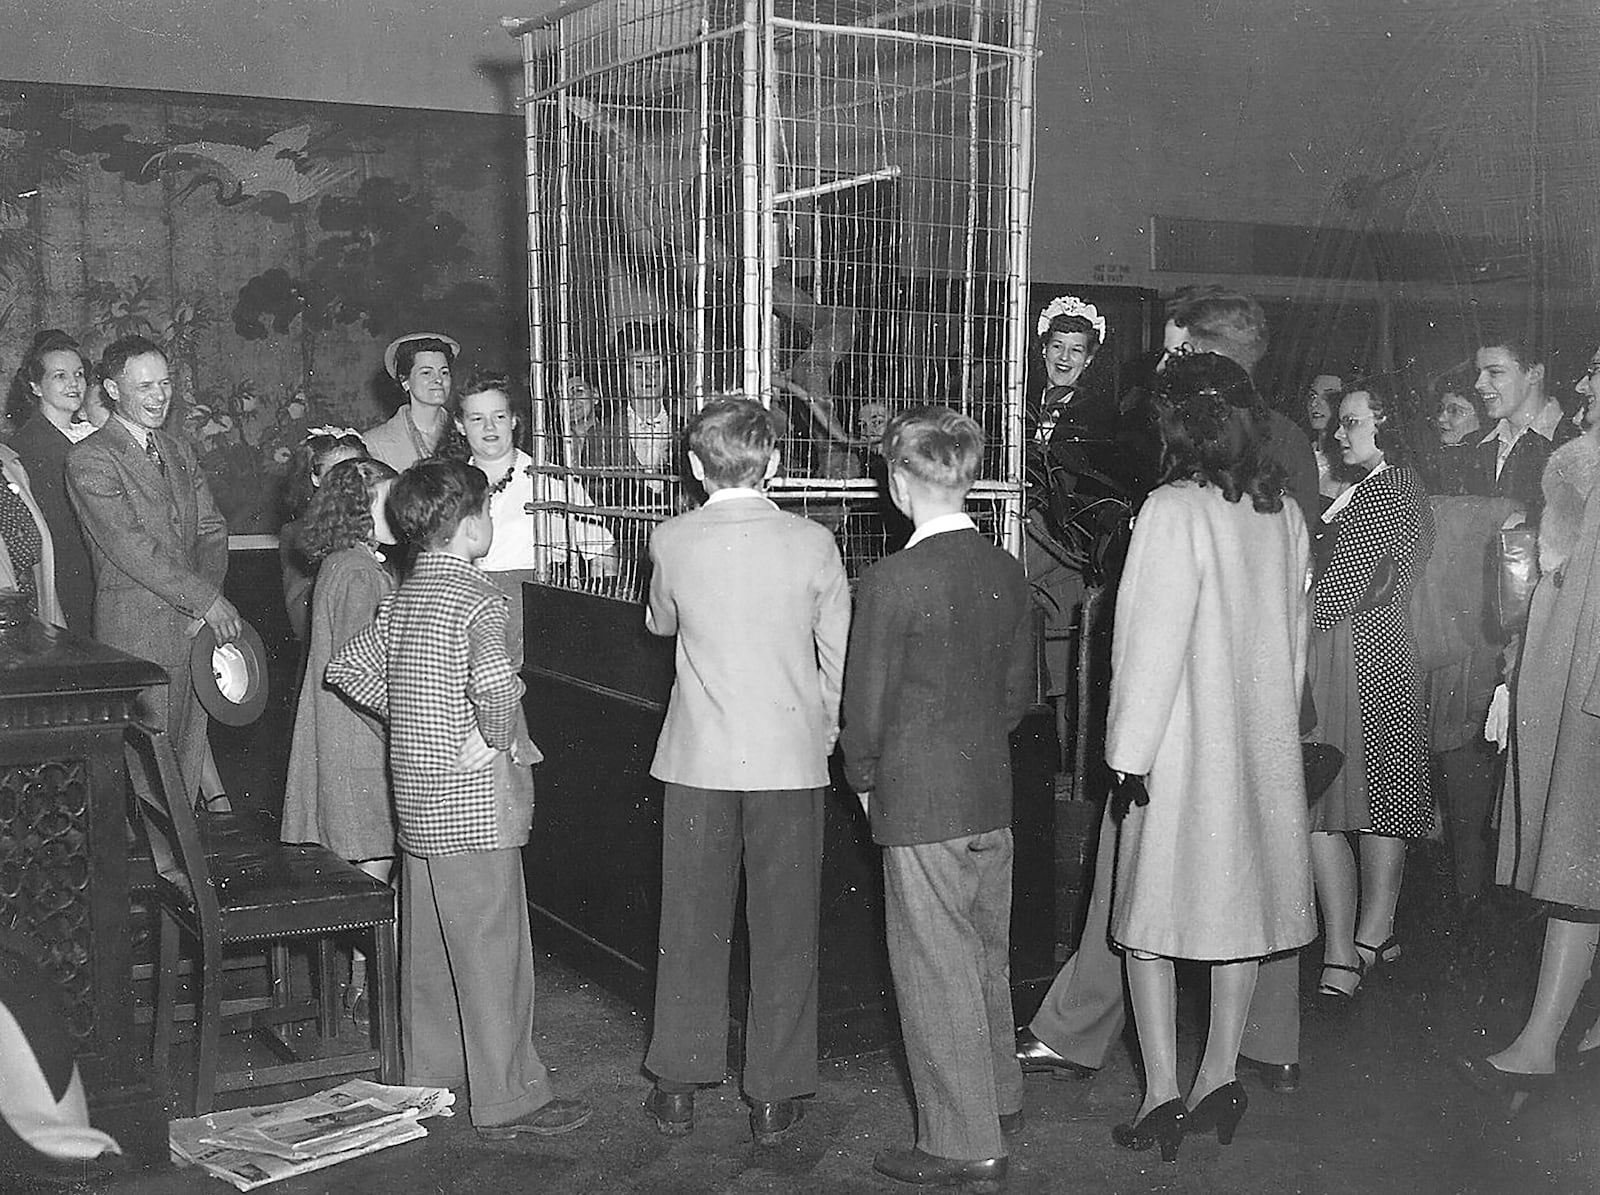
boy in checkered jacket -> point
(434, 665)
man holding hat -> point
(158, 543)
(421, 363)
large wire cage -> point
(821, 204)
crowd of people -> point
(1428, 707)
(1304, 682)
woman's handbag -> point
(1380, 591)
(1516, 573)
(1322, 763)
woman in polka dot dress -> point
(1368, 696)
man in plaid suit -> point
(434, 665)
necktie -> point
(154, 453)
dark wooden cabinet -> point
(64, 701)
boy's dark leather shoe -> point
(1038, 1058)
(547, 1120)
(1282, 1077)
(771, 1122)
(926, 1170)
(673, 1111)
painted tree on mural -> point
(379, 267)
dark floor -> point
(1380, 1110)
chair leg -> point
(278, 973)
(327, 988)
(208, 1009)
(168, 933)
(384, 987)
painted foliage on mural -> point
(271, 247)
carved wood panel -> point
(45, 867)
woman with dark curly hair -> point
(1070, 333)
(1207, 661)
(1368, 693)
(46, 396)
(1069, 414)
(337, 792)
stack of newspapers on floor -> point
(250, 1147)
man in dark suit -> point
(157, 541)
(1509, 462)
(939, 673)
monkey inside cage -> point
(818, 204)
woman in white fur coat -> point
(1550, 808)
(1208, 659)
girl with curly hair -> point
(321, 450)
(337, 792)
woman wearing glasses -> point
(1368, 696)
(1550, 812)
(1460, 420)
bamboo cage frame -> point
(737, 73)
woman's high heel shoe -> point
(1163, 1126)
(1383, 955)
(1508, 1090)
(1334, 996)
(1222, 1110)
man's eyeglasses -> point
(1351, 422)
(1178, 350)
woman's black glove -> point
(1129, 791)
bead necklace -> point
(500, 485)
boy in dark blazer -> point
(940, 665)
(759, 602)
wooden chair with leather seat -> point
(223, 883)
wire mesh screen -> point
(820, 204)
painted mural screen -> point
(821, 204)
(270, 247)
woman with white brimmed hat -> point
(421, 363)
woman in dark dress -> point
(1460, 419)
(1070, 334)
(1368, 694)
(1074, 422)
(45, 401)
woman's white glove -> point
(1497, 726)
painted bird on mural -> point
(280, 167)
